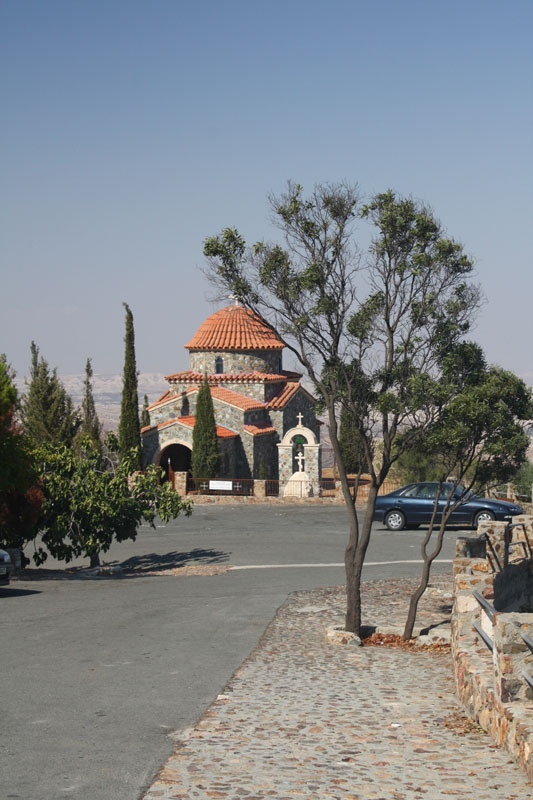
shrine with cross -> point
(266, 424)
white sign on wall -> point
(224, 486)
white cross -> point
(299, 417)
(299, 459)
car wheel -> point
(483, 516)
(395, 521)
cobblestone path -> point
(302, 718)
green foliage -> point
(145, 416)
(379, 355)
(262, 469)
(48, 415)
(522, 480)
(129, 433)
(351, 446)
(205, 460)
(90, 424)
(20, 496)
(419, 463)
(12, 447)
(89, 504)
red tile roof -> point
(222, 433)
(257, 430)
(237, 399)
(234, 328)
(281, 400)
(232, 377)
(167, 397)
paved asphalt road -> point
(98, 674)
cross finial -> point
(299, 417)
(300, 458)
(235, 299)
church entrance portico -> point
(175, 457)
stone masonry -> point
(255, 402)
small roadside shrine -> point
(266, 424)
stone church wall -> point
(301, 404)
(260, 360)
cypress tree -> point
(129, 435)
(205, 460)
(145, 416)
(90, 424)
(47, 411)
(350, 444)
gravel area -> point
(304, 718)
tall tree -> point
(48, 414)
(372, 355)
(205, 459)
(350, 444)
(90, 424)
(479, 438)
(145, 416)
(20, 496)
(129, 434)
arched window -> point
(219, 365)
(297, 453)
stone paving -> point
(303, 718)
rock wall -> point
(490, 684)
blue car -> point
(412, 506)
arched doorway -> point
(175, 458)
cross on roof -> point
(299, 417)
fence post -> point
(180, 483)
(260, 489)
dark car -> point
(5, 568)
(412, 505)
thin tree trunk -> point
(95, 560)
(415, 599)
(424, 579)
(354, 559)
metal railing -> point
(526, 675)
(490, 612)
(327, 487)
(271, 488)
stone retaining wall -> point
(490, 684)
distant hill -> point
(107, 391)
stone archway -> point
(174, 457)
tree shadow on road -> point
(162, 562)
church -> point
(266, 424)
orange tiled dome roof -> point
(234, 328)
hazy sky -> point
(132, 130)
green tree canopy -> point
(205, 459)
(129, 434)
(145, 416)
(89, 504)
(368, 345)
(20, 496)
(90, 424)
(47, 412)
(479, 438)
(352, 450)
